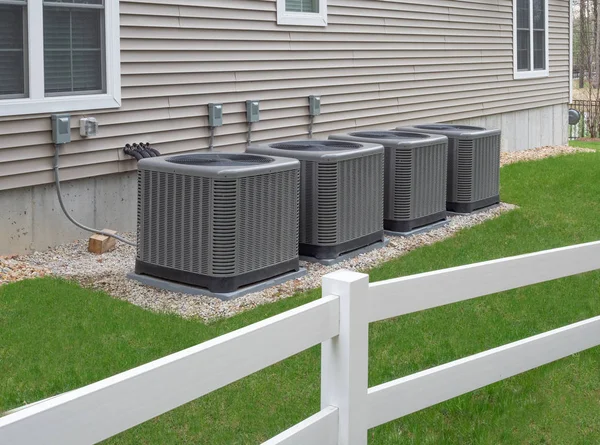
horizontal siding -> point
(378, 64)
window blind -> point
(302, 6)
(73, 46)
(12, 51)
(523, 35)
(539, 35)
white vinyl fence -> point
(339, 321)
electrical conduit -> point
(62, 204)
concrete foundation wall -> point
(521, 130)
(31, 218)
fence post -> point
(345, 358)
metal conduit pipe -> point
(131, 152)
(152, 150)
(311, 122)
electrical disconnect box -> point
(215, 115)
(61, 128)
(252, 111)
(88, 127)
(314, 105)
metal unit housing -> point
(415, 176)
(341, 194)
(473, 165)
(218, 221)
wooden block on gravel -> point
(100, 244)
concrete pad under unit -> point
(172, 286)
(419, 230)
(346, 256)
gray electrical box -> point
(314, 105)
(61, 128)
(215, 115)
(252, 111)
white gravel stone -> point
(540, 153)
(107, 272)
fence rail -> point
(339, 321)
(425, 291)
(322, 429)
(101, 410)
(419, 391)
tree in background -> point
(586, 44)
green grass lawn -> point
(56, 336)
(585, 144)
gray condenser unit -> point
(341, 194)
(415, 176)
(473, 165)
(218, 221)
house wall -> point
(378, 64)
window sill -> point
(17, 107)
(301, 19)
(521, 75)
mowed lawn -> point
(56, 336)
(595, 145)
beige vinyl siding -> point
(378, 63)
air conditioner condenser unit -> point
(217, 221)
(415, 176)
(341, 194)
(473, 165)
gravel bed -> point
(18, 268)
(535, 154)
(108, 272)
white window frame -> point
(36, 102)
(302, 18)
(531, 73)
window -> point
(58, 56)
(530, 38)
(302, 12)
(12, 49)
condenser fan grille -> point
(317, 146)
(389, 135)
(220, 160)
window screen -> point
(73, 46)
(523, 35)
(302, 6)
(539, 35)
(12, 49)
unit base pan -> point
(392, 225)
(334, 252)
(213, 284)
(419, 230)
(346, 256)
(225, 296)
(474, 212)
(468, 208)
